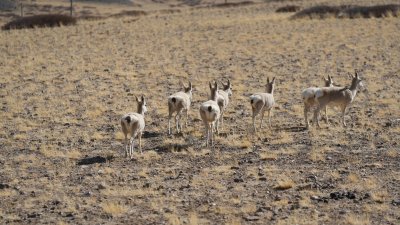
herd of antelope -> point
(212, 111)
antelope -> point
(261, 102)
(337, 96)
(210, 113)
(178, 103)
(223, 98)
(133, 124)
(308, 95)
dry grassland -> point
(63, 91)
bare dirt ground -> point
(63, 91)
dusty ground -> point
(63, 91)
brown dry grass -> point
(64, 89)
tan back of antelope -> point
(223, 98)
(337, 96)
(179, 102)
(261, 102)
(133, 125)
(210, 114)
(309, 100)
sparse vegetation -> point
(51, 20)
(288, 8)
(348, 11)
(114, 209)
(377, 11)
(64, 91)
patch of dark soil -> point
(8, 5)
(342, 195)
(93, 160)
(4, 186)
(127, 2)
(377, 11)
(349, 11)
(293, 129)
(232, 4)
(320, 11)
(150, 134)
(169, 11)
(129, 13)
(191, 2)
(288, 9)
(171, 147)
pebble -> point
(167, 210)
(277, 198)
(396, 202)
(33, 215)
(237, 180)
(251, 218)
(101, 186)
(314, 197)
(87, 194)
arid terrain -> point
(63, 91)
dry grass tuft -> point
(267, 155)
(114, 209)
(284, 184)
(149, 155)
(234, 141)
(353, 219)
(73, 154)
(193, 218)
(392, 153)
(7, 193)
(380, 196)
(173, 219)
(50, 151)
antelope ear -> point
(273, 80)
(216, 85)
(329, 77)
(229, 82)
(210, 84)
(356, 75)
(137, 99)
(267, 79)
(143, 99)
(181, 83)
(190, 85)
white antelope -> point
(178, 103)
(223, 98)
(261, 102)
(337, 96)
(210, 113)
(133, 124)
(309, 101)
